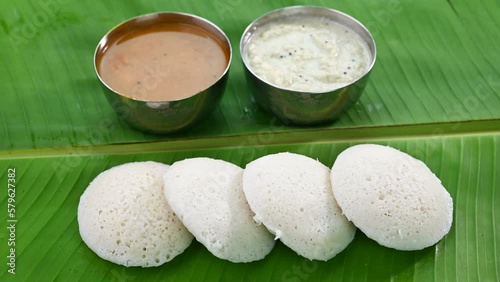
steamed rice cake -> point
(291, 195)
(392, 197)
(124, 218)
(208, 197)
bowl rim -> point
(151, 17)
(249, 32)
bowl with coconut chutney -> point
(163, 72)
(306, 64)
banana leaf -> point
(437, 62)
(434, 93)
(49, 247)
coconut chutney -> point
(308, 53)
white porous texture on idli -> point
(392, 197)
(291, 195)
(208, 197)
(124, 218)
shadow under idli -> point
(379, 263)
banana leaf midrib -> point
(330, 135)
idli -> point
(208, 197)
(124, 218)
(392, 197)
(292, 196)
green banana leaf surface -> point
(49, 246)
(437, 61)
(434, 93)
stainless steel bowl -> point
(305, 108)
(164, 116)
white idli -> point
(124, 218)
(392, 197)
(207, 196)
(292, 196)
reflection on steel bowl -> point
(163, 72)
(307, 64)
